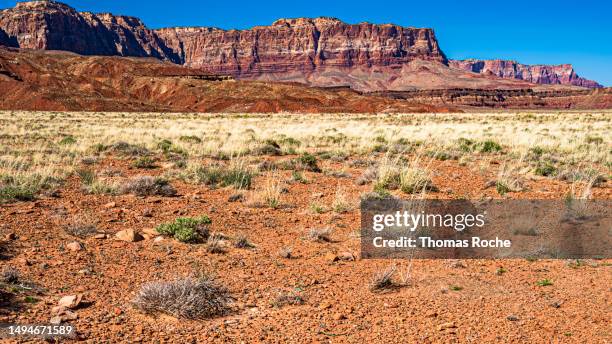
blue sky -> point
(531, 32)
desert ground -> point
(260, 214)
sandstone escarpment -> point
(301, 45)
(51, 25)
(539, 74)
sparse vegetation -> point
(189, 298)
(187, 229)
(148, 186)
(81, 226)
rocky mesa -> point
(539, 74)
(318, 52)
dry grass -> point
(39, 150)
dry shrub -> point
(148, 186)
(189, 298)
(81, 226)
(383, 279)
(320, 235)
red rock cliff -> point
(539, 74)
(301, 45)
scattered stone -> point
(339, 316)
(236, 197)
(457, 264)
(10, 236)
(128, 235)
(70, 301)
(110, 205)
(158, 239)
(100, 236)
(325, 305)
(74, 246)
(512, 317)
(446, 326)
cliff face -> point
(319, 51)
(538, 74)
(301, 45)
(50, 25)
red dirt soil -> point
(338, 308)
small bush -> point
(81, 226)
(488, 146)
(191, 139)
(128, 149)
(243, 242)
(288, 298)
(320, 235)
(414, 180)
(187, 229)
(308, 162)
(17, 193)
(268, 147)
(188, 298)
(148, 186)
(144, 162)
(68, 140)
(383, 279)
(544, 283)
(297, 176)
(545, 169)
(237, 176)
(10, 275)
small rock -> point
(147, 212)
(339, 316)
(556, 304)
(447, 325)
(74, 246)
(110, 205)
(512, 317)
(158, 239)
(56, 320)
(10, 236)
(325, 305)
(457, 264)
(128, 235)
(70, 301)
(100, 236)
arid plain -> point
(261, 213)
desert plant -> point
(10, 275)
(187, 229)
(190, 298)
(242, 241)
(320, 234)
(383, 279)
(544, 283)
(144, 162)
(308, 162)
(341, 203)
(81, 226)
(415, 180)
(148, 186)
(286, 252)
(288, 298)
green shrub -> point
(489, 146)
(187, 229)
(16, 193)
(68, 140)
(144, 162)
(191, 138)
(545, 169)
(309, 162)
(87, 176)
